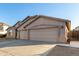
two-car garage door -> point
(48, 34)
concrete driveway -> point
(24, 48)
(35, 48)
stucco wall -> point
(45, 21)
(21, 27)
(18, 34)
(11, 33)
(49, 22)
(4, 29)
(66, 32)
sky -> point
(10, 13)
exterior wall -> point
(66, 31)
(5, 27)
(11, 33)
(43, 21)
(49, 22)
(17, 25)
(62, 35)
(4, 30)
(46, 21)
(8, 34)
(21, 27)
(18, 34)
(1, 29)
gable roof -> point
(16, 23)
(38, 16)
(67, 22)
(35, 17)
(26, 19)
(11, 28)
(54, 18)
(19, 22)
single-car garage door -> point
(49, 34)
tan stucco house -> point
(41, 28)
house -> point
(42, 28)
(3, 28)
(76, 28)
(12, 31)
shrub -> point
(73, 35)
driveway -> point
(24, 47)
(35, 48)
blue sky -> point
(11, 13)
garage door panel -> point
(23, 34)
(50, 34)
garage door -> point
(50, 34)
(23, 35)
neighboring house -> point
(42, 28)
(76, 28)
(3, 28)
